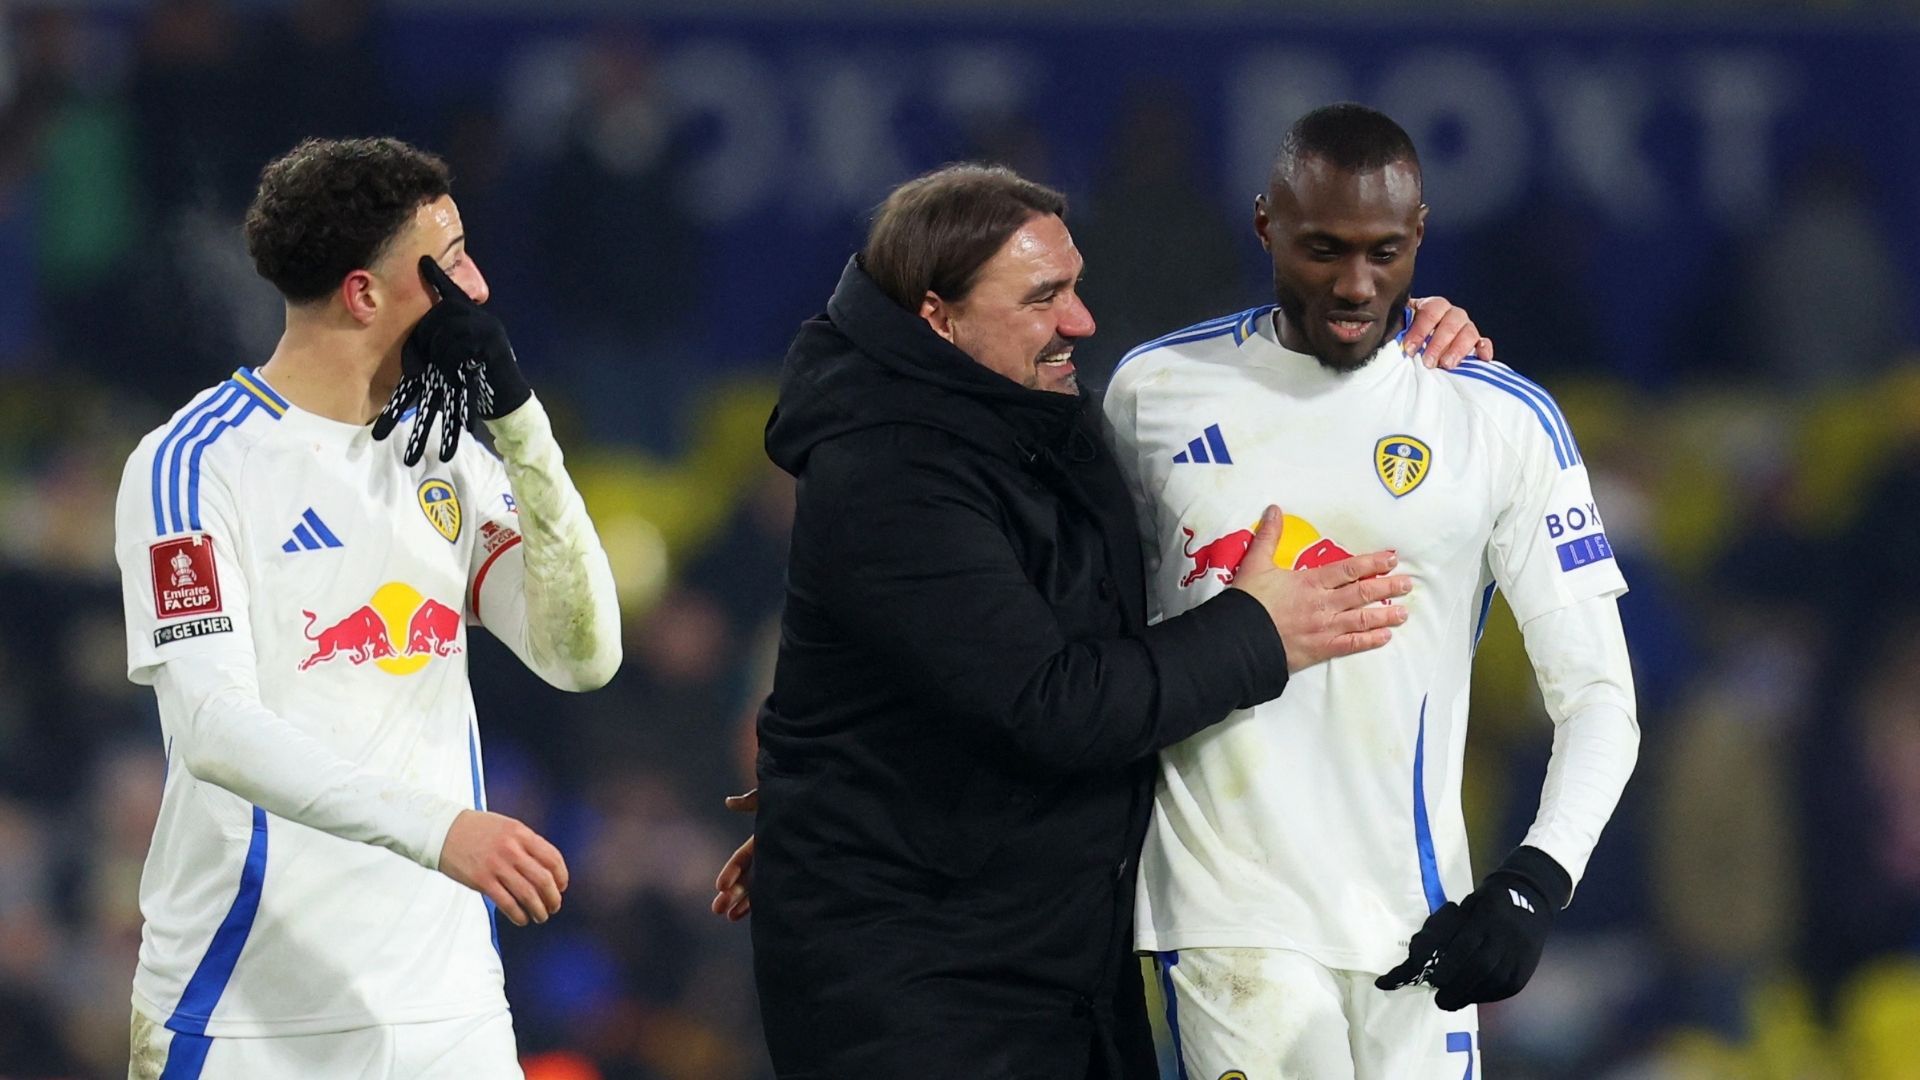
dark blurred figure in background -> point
(619, 250)
(1860, 763)
(67, 165)
(198, 84)
(1823, 301)
(1528, 263)
(1812, 298)
(197, 92)
(324, 68)
(1160, 257)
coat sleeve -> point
(929, 580)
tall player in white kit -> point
(1305, 880)
(320, 891)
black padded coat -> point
(956, 761)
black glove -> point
(457, 361)
(1486, 947)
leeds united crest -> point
(1401, 462)
(442, 508)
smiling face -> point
(1023, 314)
(1343, 245)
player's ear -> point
(1261, 221)
(360, 293)
(938, 313)
(1420, 227)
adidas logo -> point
(311, 534)
(1197, 451)
(1520, 901)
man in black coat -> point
(956, 760)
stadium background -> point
(1693, 222)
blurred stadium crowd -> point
(1754, 910)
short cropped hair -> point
(1347, 136)
(329, 207)
(934, 233)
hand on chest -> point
(1347, 484)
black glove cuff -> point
(1537, 870)
(509, 387)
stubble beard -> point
(1295, 311)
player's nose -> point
(472, 281)
(1355, 285)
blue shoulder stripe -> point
(1250, 322)
(1539, 393)
(1565, 450)
(183, 461)
(176, 501)
(211, 402)
(166, 457)
(193, 465)
(1209, 327)
(250, 379)
(1200, 331)
(1559, 449)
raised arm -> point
(540, 581)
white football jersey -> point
(258, 536)
(1328, 820)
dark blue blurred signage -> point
(1660, 149)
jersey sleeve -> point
(180, 551)
(540, 580)
(180, 547)
(1549, 548)
(1579, 655)
(223, 735)
(497, 538)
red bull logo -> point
(434, 628)
(1221, 557)
(1301, 547)
(399, 630)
